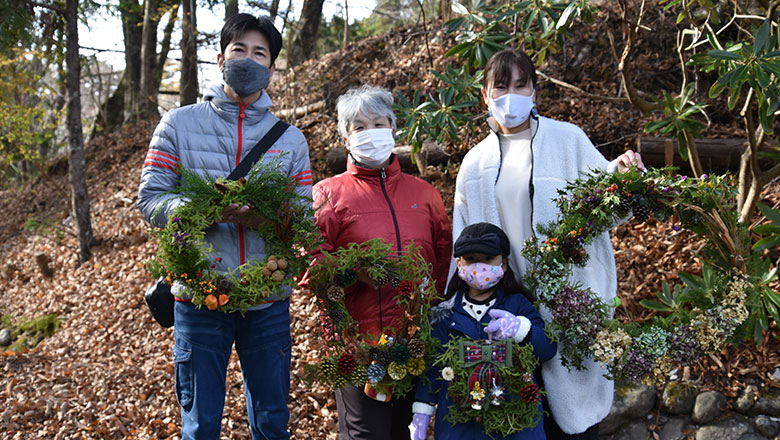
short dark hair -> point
(240, 24)
(498, 69)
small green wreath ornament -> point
(690, 321)
(491, 382)
(388, 363)
(288, 230)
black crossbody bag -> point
(159, 297)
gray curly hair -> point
(366, 99)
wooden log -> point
(430, 154)
(717, 155)
(299, 112)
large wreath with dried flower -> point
(690, 321)
(491, 382)
(288, 229)
(389, 362)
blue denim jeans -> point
(204, 342)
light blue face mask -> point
(244, 76)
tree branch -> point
(624, 66)
(46, 6)
(580, 91)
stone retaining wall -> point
(684, 412)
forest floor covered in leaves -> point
(107, 373)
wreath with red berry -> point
(288, 229)
(383, 364)
(690, 320)
(490, 382)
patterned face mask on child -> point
(481, 276)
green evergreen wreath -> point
(288, 230)
(692, 321)
(509, 402)
(396, 358)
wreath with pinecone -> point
(492, 383)
(288, 229)
(393, 360)
(690, 321)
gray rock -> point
(5, 337)
(767, 426)
(734, 429)
(746, 399)
(679, 397)
(768, 404)
(630, 402)
(708, 407)
(634, 431)
(675, 429)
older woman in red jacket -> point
(374, 199)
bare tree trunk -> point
(188, 93)
(165, 45)
(78, 166)
(445, 9)
(231, 8)
(304, 44)
(148, 104)
(346, 23)
(274, 11)
(130, 88)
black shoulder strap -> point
(260, 148)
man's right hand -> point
(241, 215)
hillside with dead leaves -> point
(107, 373)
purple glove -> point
(505, 325)
(419, 426)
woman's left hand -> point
(625, 160)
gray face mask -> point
(245, 76)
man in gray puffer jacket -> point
(214, 136)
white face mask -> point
(511, 110)
(371, 147)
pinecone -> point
(396, 371)
(570, 247)
(624, 207)
(336, 315)
(223, 285)
(359, 377)
(376, 373)
(345, 278)
(383, 278)
(641, 207)
(416, 348)
(395, 281)
(530, 394)
(361, 357)
(336, 293)
(338, 381)
(328, 368)
(415, 366)
(399, 354)
(406, 288)
(347, 364)
(381, 357)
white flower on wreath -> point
(447, 373)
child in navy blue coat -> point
(483, 301)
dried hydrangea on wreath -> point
(491, 382)
(386, 364)
(287, 228)
(689, 321)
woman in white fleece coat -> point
(511, 179)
